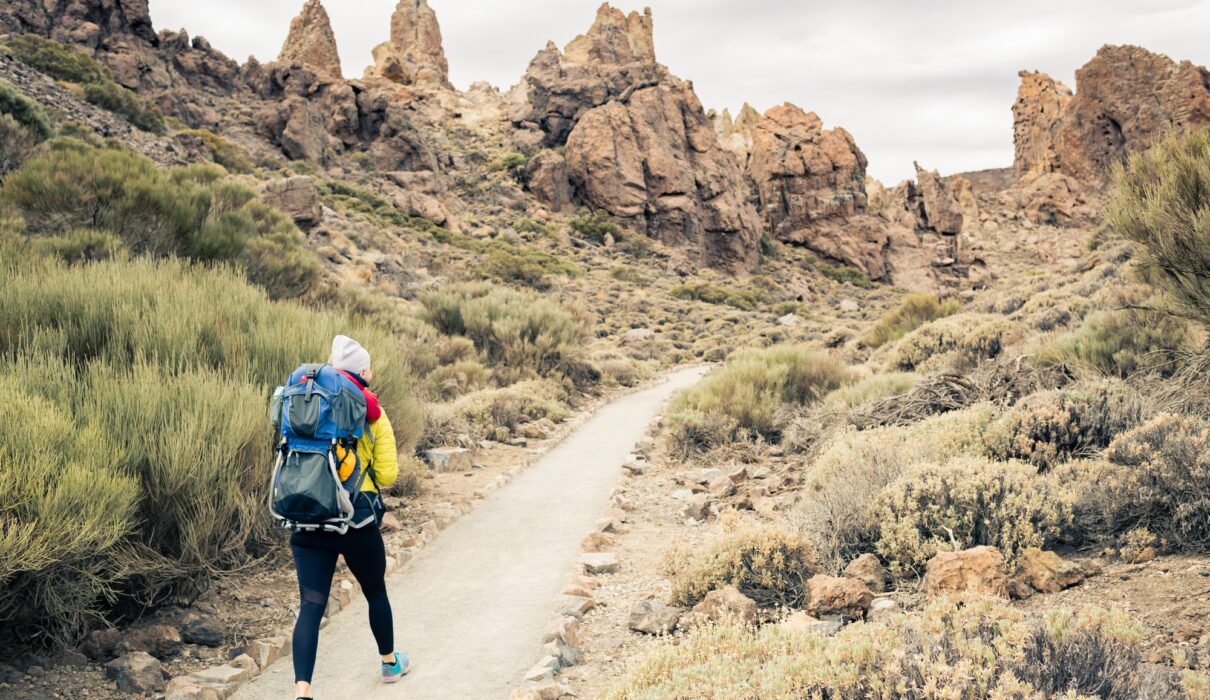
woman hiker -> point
(315, 552)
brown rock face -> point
(297, 197)
(653, 162)
(979, 570)
(414, 55)
(1126, 98)
(614, 58)
(638, 143)
(804, 174)
(311, 41)
(1054, 199)
(548, 179)
(1037, 115)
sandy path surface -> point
(470, 609)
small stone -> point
(653, 617)
(203, 631)
(1020, 590)
(697, 507)
(444, 460)
(597, 542)
(977, 570)
(574, 605)
(883, 608)
(1047, 572)
(830, 595)
(100, 644)
(802, 622)
(722, 487)
(161, 641)
(390, 523)
(567, 654)
(870, 571)
(789, 320)
(849, 306)
(723, 606)
(247, 663)
(136, 672)
(565, 628)
(544, 669)
(596, 563)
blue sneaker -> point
(393, 672)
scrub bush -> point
(1160, 202)
(192, 212)
(518, 334)
(972, 336)
(915, 311)
(769, 566)
(1122, 343)
(752, 395)
(963, 503)
(1158, 479)
(1050, 427)
(965, 649)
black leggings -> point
(315, 560)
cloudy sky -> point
(930, 81)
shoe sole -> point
(395, 679)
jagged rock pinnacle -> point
(311, 41)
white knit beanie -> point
(348, 355)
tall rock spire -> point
(414, 55)
(311, 41)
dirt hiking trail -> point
(470, 609)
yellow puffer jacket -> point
(380, 454)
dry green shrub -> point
(1054, 426)
(26, 112)
(769, 566)
(967, 502)
(752, 395)
(168, 391)
(621, 371)
(17, 143)
(971, 337)
(1051, 309)
(873, 388)
(448, 382)
(1158, 479)
(488, 410)
(1160, 203)
(68, 513)
(970, 649)
(190, 211)
(81, 245)
(59, 61)
(915, 311)
(222, 151)
(1122, 343)
(521, 334)
(127, 104)
(853, 467)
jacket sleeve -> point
(386, 458)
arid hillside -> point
(953, 442)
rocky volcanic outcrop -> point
(311, 41)
(811, 189)
(1037, 115)
(1126, 98)
(639, 146)
(415, 54)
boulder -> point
(297, 197)
(161, 641)
(979, 570)
(311, 41)
(574, 605)
(723, 606)
(697, 507)
(653, 617)
(1047, 572)
(100, 644)
(548, 179)
(868, 569)
(202, 630)
(449, 459)
(831, 595)
(136, 672)
(415, 54)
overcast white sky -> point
(912, 80)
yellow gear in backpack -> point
(346, 461)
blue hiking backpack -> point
(318, 410)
